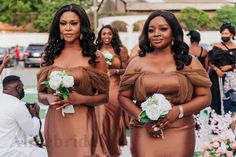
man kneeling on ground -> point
(16, 121)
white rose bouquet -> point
(108, 57)
(154, 108)
(61, 82)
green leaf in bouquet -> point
(144, 118)
(64, 92)
(46, 83)
(68, 73)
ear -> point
(18, 88)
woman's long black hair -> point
(180, 48)
(56, 44)
(115, 42)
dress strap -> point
(225, 46)
(201, 52)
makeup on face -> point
(159, 32)
(106, 36)
(69, 26)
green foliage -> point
(38, 12)
(194, 18)
(48, 9)
(18, 12)
(144, 118)
(226, 14)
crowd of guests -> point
(105, 92)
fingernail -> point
(53, 103)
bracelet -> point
(181, 111)
(139, 117)
(117, 71)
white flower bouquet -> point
(223, 145)
(108, 57)
(61, 82)
(154, 108)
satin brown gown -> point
(178, 87)
(110, 118)
(75, 135)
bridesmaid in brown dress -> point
(164, 66)
(111, 123)
(70, 47)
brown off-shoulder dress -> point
(111, 123)
(178, 87)
(75, 135)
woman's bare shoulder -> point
(136, 63)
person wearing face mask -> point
(17, 122)
(221, 60)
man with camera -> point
(16, 121)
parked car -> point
(21, 50)
(33, 54)
(3, 52)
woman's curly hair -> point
(180, 48)
(55, 44)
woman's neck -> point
(195, 44)
(72, 45)
(164, 51)
(106, 46)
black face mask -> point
(225, 39)
(21, 94)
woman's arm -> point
(217, 70)
(206, 61)
(47, 99)
(126, 102)
(201, 99)
(124, 57)
(6, 60)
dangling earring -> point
(61, 36)
(150, 45)
(81, 36)
(172, 41)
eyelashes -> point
(72, 23)
(164, 29)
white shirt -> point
(15, 121)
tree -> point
(18, 12)
(194, 19)
(49, 8)
(226, 14)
